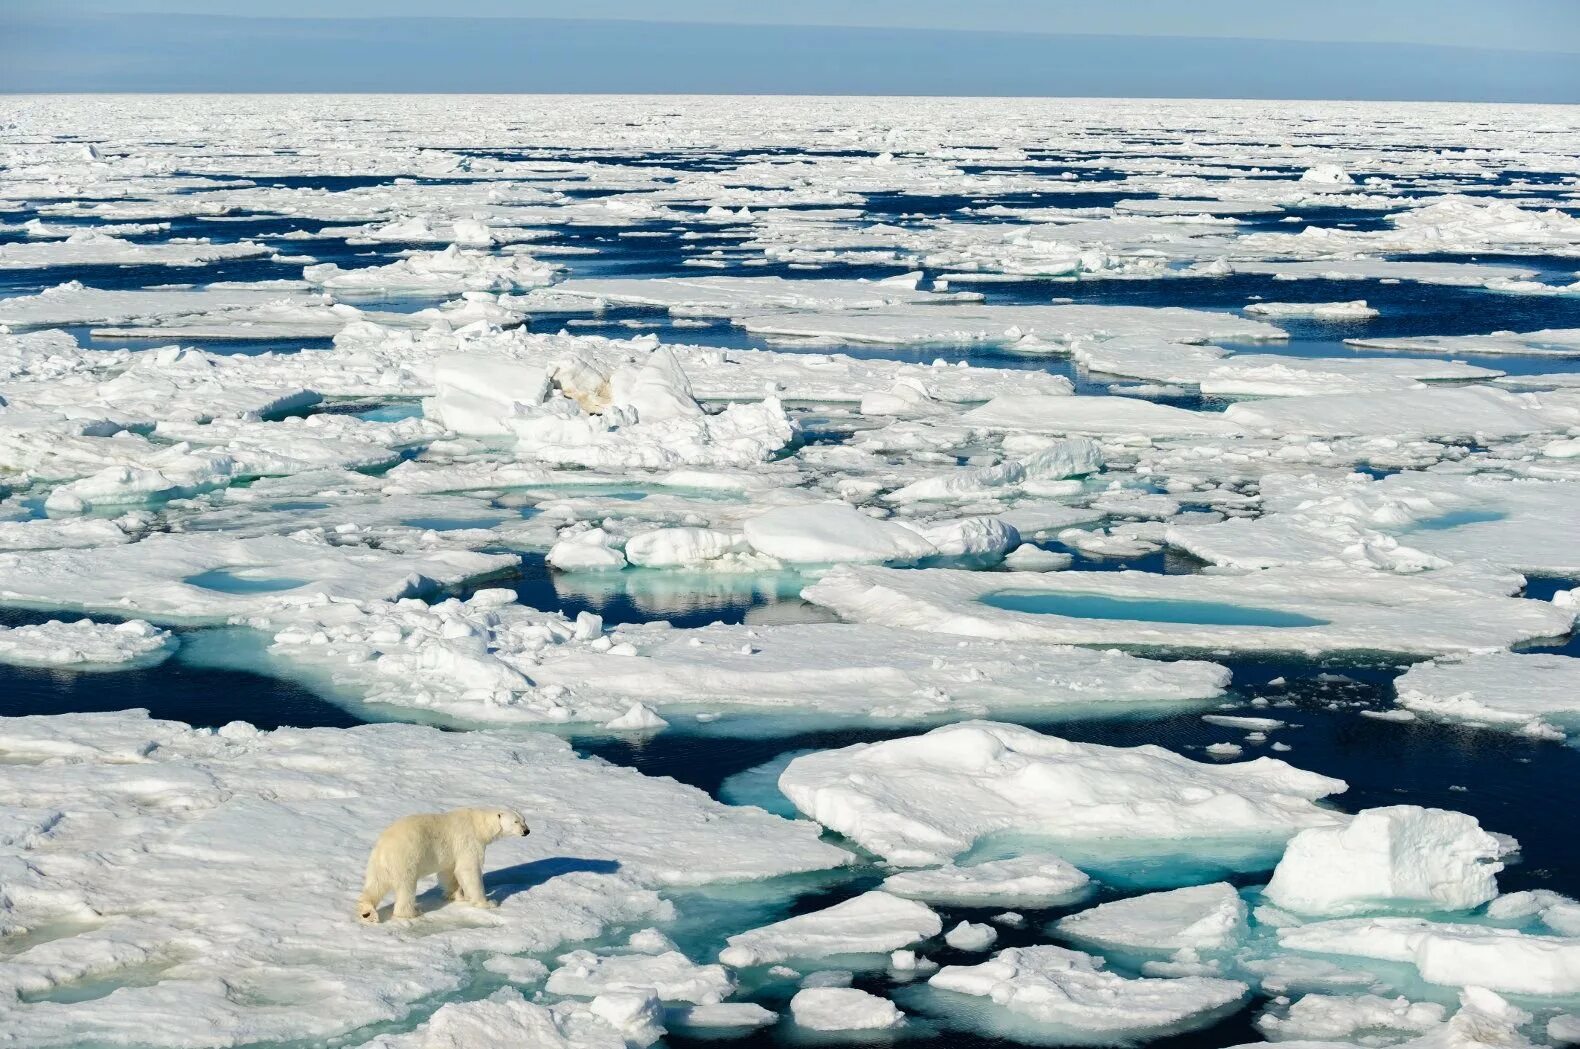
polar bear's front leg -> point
(447, 882)
(469, 873)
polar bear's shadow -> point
(506, 882)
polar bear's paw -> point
(368, 913)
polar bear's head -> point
(511, 825)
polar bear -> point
(449, 844)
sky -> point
(1504, 50)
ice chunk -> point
(1329, 1018)
(671, 975)
(1057, 986)
(506, 1015)
(874, 922)
(833, 533)
(1328, 311)
(1025, 881)
(1198, 917)
(971, 936)
(1402, 856)
(1523, 692)
(1559, 913)
(1458, 955)
(843, 1009)
(924, 799)
(740, 1015)
(85, 645)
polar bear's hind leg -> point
(405, 899)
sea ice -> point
(149, 857)
(1458, 955)
(843, 1009)
(1399, 857)
(1021, 881)
(85, 645)
(1522, 692)
(1197, 917)
(925, 799)
(872, 923)
(1069, 990)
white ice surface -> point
(85, 645)
(1069, 990)
(872, 923)
(1403, 856)
(146, 857)
(1197, 917)
(1532, 693)
(925, 799)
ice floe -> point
(1531, 693)
(1398, 857)
(1071, 992)
(872, 923)
(149, 856)
(925, 799)
(85, 645)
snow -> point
(1531, 693)
(843, 1009)
(149, 856)
(85, 645)
(872, 923)
(1197, 917)
(1068, 989)
(1403, 856)
(925, 799)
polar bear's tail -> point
(368, 902)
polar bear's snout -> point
(511, 825)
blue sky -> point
(1536, 25)
(1515, 50)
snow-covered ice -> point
(1070, 990)
(149, 858)
(1197, 917)
(872, 923)
(1400, 857)
(925, 799)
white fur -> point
(449, 844)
